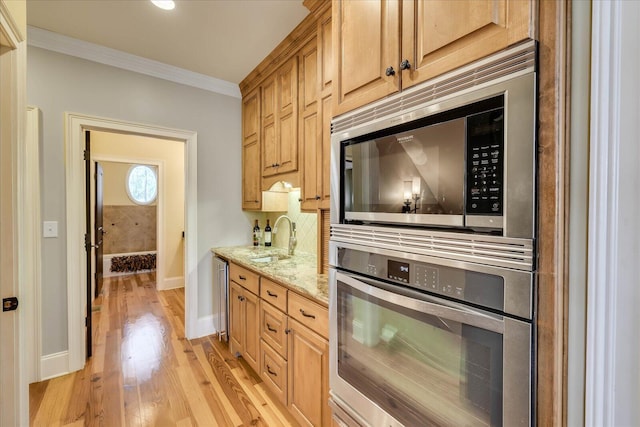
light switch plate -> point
(50, 229)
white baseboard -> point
(205, 326)
(54, 365)
(172, 283)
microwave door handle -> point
(442, 309)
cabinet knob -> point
(390, 72)
(405, 65)
(300, 199)
(286, 331)
(318, 197)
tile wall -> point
(306, 225)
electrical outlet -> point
(50, 229)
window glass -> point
(142, 184)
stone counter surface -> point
(298, 272)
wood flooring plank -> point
(227, 412)
(36, 394)
(54, 404)
(79, 404)
(144, 372)
(78, 423)
(281, 413)
(238, 398)
(195, 397)
(113, 401)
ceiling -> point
(224, 39)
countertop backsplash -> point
(306, 225)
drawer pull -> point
(271, 329)
(241, 277)
(271, 372)
(271, 294)
(313, 316)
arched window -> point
(142, 184)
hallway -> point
(145, 373)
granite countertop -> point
(298, 272)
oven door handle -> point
(441, 308)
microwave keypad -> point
(485, 163)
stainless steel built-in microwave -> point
(463, 161)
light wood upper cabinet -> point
(384, 46)
(316, 118)
(280, 120)
(366, 43)
(441, 35)
(251, 177)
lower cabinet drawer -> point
(245, 278)
(309, 313)
(273, 328)
(273, 370)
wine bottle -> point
(256, 234)
(267, 235)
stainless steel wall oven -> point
(432, 278)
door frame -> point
(14, 369)
(75, 126)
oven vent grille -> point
(506, 64)
(480, 249)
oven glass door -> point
(421, 362)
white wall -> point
(58, 83)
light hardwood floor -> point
(145, 373)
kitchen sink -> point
(269, 258)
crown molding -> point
(55, 42)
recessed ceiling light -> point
(164, 4)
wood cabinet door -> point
(325, 52)
(251, 176)
(366, 37)
(317, 147)
(251, 116)
(287, 117)
(309, 126)
(269, 137)
(441, 35)
(252, 331)
(308, 376)
(280, 120)
(236, 319)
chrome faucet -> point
(292, 232)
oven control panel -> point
(464, 285)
